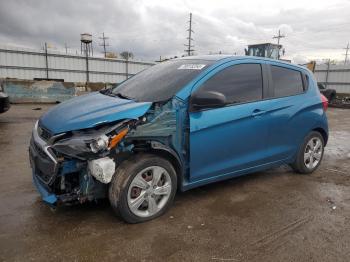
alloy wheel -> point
(149, 191)
(313, 152)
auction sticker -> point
(192, 66)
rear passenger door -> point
(233, 137)
(287, 102)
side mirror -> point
(207, 99)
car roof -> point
(218, 58)
(207, 57)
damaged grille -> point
(44, 177)
(44, 133)
(45, 168)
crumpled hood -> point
(91, 110)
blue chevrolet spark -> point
(179, 124)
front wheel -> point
(143, 188)
(310, 153)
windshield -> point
(162, 81)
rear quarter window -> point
(286, 82)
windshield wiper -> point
(106, 91)
(123, 96)
(120, 96)
(109, 92)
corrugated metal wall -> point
(334, 76)
(27, 64)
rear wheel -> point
(310, 154)
(143, 188)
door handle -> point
(258, 112)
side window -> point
(239, 83)
(286, 82)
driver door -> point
(230, 138)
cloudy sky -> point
(314, 29)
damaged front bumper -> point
(46, 194)
(72, 184)
(87, 190)
(62, 181)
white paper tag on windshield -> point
(192, 66)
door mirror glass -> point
(207, 99)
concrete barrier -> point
(31, 91)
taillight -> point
(324, 102)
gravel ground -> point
(275, 215)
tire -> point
(136, 184)
(303, 164)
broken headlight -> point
(87, 143)
(99, 144)
(76, 146)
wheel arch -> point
(159, 149)
(323, 133)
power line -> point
(346, 53)
(189, 49)
(104, 44)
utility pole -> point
(327, 72)
(104, 44)
(189, 49)
(46, 62)
(278, 37)
(346, 53)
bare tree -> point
(127, 55)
